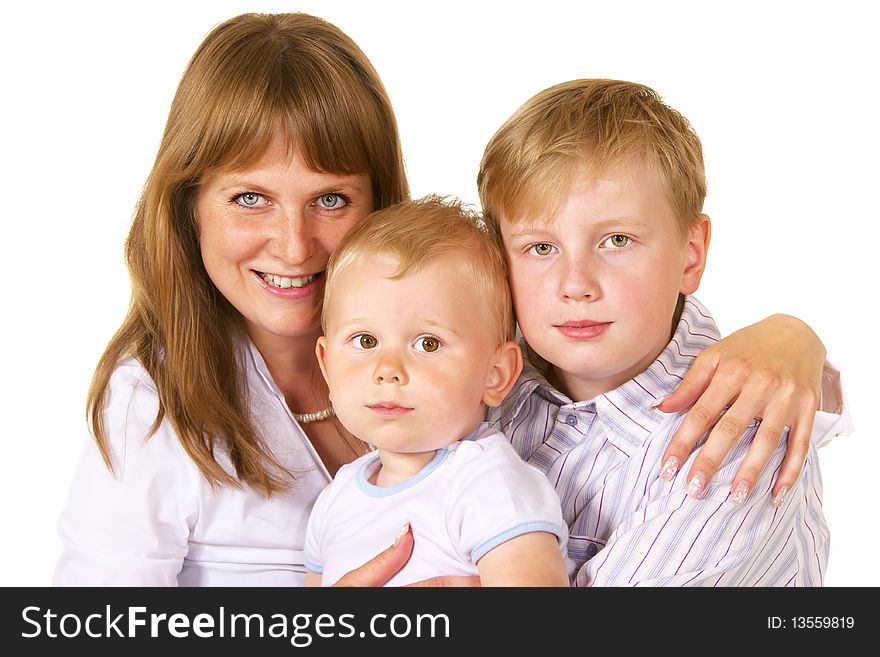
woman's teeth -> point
(285, 282)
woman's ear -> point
(697, 249)
(503, 371)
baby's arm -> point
(532, 559)
(313, 578)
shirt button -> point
(592, 550)
(571, 420)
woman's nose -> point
(292, 241)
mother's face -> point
(266, 233)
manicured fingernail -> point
(658, 401)
(670, 467)
(780, 496)
(740, 493)
(401, 534)
(696, 485)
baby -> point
(418, 343)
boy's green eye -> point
(543, 248)
(617, 241)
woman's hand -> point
(381, 568)
(771, 370)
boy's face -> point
(409, 362)
(595, 290)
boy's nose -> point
(579, 283)
(390, 369)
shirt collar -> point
(259, 364)
(626, 411)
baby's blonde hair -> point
(588, 127)
(416, 232)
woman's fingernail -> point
(658, 401)
(696, 485)
(401, 534)
(670, 467)
(780, 496)
(740, 493)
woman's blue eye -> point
(248, 199)
(331, 201)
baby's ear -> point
(695, 258)
(503, 371)
(321, 353)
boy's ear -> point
(697, 248)
(321, 353)
(504, 369)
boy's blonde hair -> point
(588, 127)
(415, 232)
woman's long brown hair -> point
(254, 78)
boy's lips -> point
(582, 329)
(389, 409)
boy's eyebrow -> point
(634, 222)
(440, 325)
(626, 222)
(357, 321)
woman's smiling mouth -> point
(285, 282)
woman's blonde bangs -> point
(270, 80)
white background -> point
(783, 94)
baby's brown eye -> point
(543, 249)
(428, 344)
(367, 341)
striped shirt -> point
(627, 526)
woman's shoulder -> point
(130, 410)
(130, 374)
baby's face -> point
(407, 360)
(595, 290)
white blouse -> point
(158, 522)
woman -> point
(213, 433)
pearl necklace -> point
(305, 418)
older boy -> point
(596, 188)
(418, 342)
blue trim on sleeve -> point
(384, 491)
(311, 565)
(513, 532)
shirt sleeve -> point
(674, 540)
(498, 497)
(833, 418)
(312, 552)
(129, 527)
